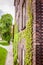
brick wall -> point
(37, 32)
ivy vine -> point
(27, 34)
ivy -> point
(27, 34)
(15, 44)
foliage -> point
(6, 36)
(27, 34)
(0, 27)
(16, 37)
(6, 22)
(28, 38)
(3, 54)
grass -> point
(4, 43)
(3, 54)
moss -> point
(27, 34)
